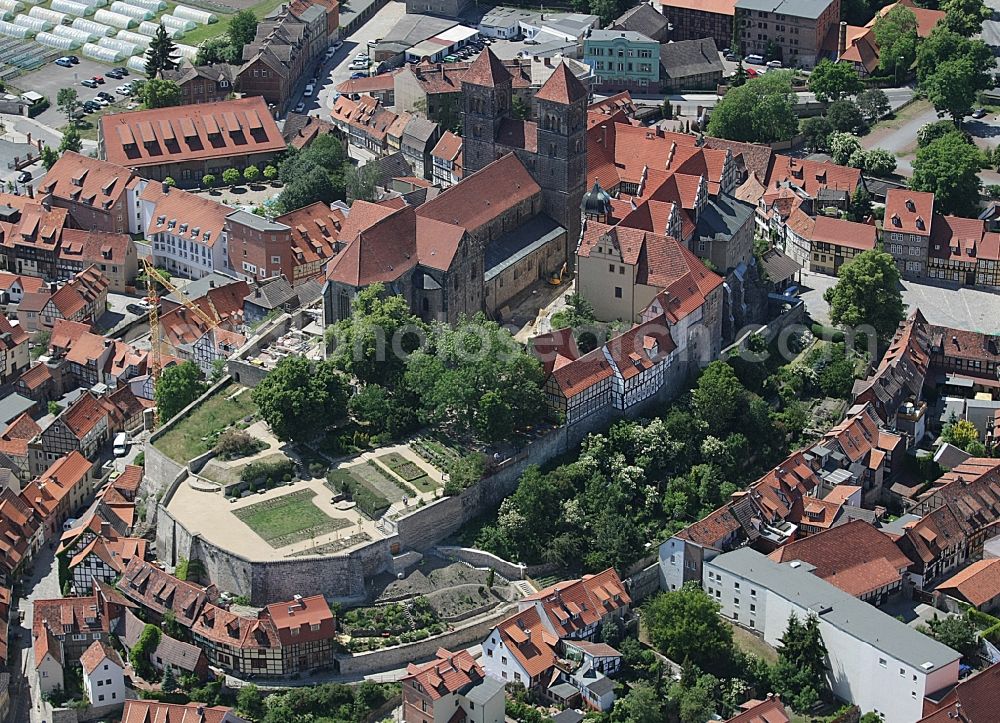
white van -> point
(754, 59)
(121, 444)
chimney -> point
(31, 191)
(47, 203)
(842, 39)
(105, 529)
(165, 187)
(211, 283)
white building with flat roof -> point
(874, 661)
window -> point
(100, 697)
(621, 269)
(881, 661)
(489, 653)
(503, 659)
(618, 292)
(902, 671)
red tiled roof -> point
(301, 615)
(487, 70)
(716, 7)
(974, 699)
(978, 583)
(528, 640)
(572, 605)
(190, 132)
(46, 492)
(47, 644)
(811, 175)
(236, 631)
(151, 711)
(80, 291)
(927, 19)
(84, 414)
(17, 524)
(562, 87)
(447, 673)
(448, 147)
(380, 253)
(205, 219)
(840, 232)
(855, 557)
(160, 591)
(29, 284)
(315, 232)
(908, 211)
(761, 711)
(71, 615)
(100, 247)
(957, 239)
(86, 180)
(97, 653)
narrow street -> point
(40, 583)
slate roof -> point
(643, 19)
(687, 58)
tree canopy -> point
(299, 399)
(177, 387)
(955, 84)
(873, 104)
(965, 17)
(160, 93)
(896, 35)
(958, 633)
(833, 81)
(949, 167)
(868, 292)
(800, 672)
(759, 111)
(163, 54)
(963, 434)
(685, 626)
(315, 173)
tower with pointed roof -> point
(487, 92)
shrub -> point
(230, 176)
(169, 181)
(234, 443)
(251, 173)
(208, 180)
(264, 470)
(270, 172)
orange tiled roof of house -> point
(84, 414)
(68, 616)
(86, 180)
(718, 7)
(977, 698)
(47, 644)
(185, 214)
(528, 640)
(448, 146)
(30, 284)
(810, 175)
(771, 710)
(80, 291)
(841, 232)
(978, 584)
(960, 239)
(236, 631)
(908, 211)
(22, 428)
(97, 653)
(315, 231)
(17, 524)
(575, 604)
(151, 711)
(129, 480)
(855, 557)
(38, 227)
(448, 673)
(11, 335)
(46, 492)
(927, 19)
(295, 619)
(200, 131)
(381, 252)
(160, 591)
(89, 245)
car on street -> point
(732, 57)
(774, 64)
(73, 59)
(754, 59)
(64, 61)
(88, 83)
(124, 90)
(307, 93)
(751, 73)
(979, 113)
(24, 176)
(359, 65)
(101, 101)
(361, 56)
(300, 107)
(330, 52)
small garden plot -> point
(199, 431)
(289, 519)
(457, 601)
(409, 471)
(391, 624)
(435, 451)
(368, 498)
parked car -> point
(64, 61)
(121, 444)
(732, 57)
(361, 56)
(107, 96)
(979, 113)
(330, 52)
(24, 176)
(355, 76)
(124, 90)
(754, 59)
(751, 73)
(101, 101)
(88, 83)
(139, 308)
(99, 79)
(73, 59)
(114, 74)
(123, 71)
(774, 64)
(307, 93)
(300, 107)
(359, 65)
(91, 106)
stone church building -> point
(514, 220)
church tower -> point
(487, 91)
(561, 160)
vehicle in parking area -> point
(732, 57)
(359, 65)
(101, 101)
(300, 107)
(355, 76)
(88, 83)
(24, 176)
(64, 61)
(751, 73)
(107, 96)
(979, 113)
(121, 444)
(361, 56)
(122, 70)
(140, 308)
(73, 59)
(774, 64)
(754, 59)
(308, 90)
(99, 79)
(91, 106)
(124, 90)
(114, 74)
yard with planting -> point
(289, 519)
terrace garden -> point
(289, 519)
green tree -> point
(760, 111)
(53, 408)
(845, 116)
(873, 104)
(299, 399)
(896, 35)
(218, 50)
(250, 703)
(817, 132)
(958, 633)
(270, 172)
(696, 702)
(719, 398)
(965, 17)
(833, 81)
(945, 44)
(168, 683)
(177, 387)
(68, 101)
(685, 626)
(878, 162)
(251, 173)
(163, 54)
(140, 653)
(49, 156)
(242, 29)
(938, 129)
(208, 180)
(949, 167)
(231, 176)
(160, 93)
(71, 141)
(954, 86)
(382, 410)
(961, 433)
(861, 204)
(642, 704)
(373, 343)
(868, 292)
(800, 672)
(169, 181)
(520, 109)
(314, 185)
(607, 10)
(362, 182)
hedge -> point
(261, 470)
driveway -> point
(960, 308)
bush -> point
(231, 176)
(169, 181)
(38, 108)
(368, 501)
(264, 470)
(234, 443)
(270, 173)
(208, 180)
(251, 173)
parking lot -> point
(50, 78)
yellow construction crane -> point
(153, 277)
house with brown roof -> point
(769, 710)
(82, 427)
(104, 560)
(239, 643)
(450, 685)
(835, 241)
(18, 525)
(95, 193)
(906, 229)
(203, 83)
(158, 591)
(14, 446)
(446, 160)
(59, 491)
(971, 355)
(855, 557)
(76, 622)
(181, 656)
(83, 298)
(148, 711)
(306, 632)
(103, 675)
(49, 660)
(975, 698)
(694, 19)
(30, 231)
(188, 141)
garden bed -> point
(289, 519)
(387, 625)
(368, 498)
(198, 432)
(409, 471)
(437, 452)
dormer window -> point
(920, 223)
(183, 228)
(910, 206)
(896, 221)
(160, 220)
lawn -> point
(289, 519)
(198, 432)
(409, 471)
(367, 496)
(204, 32)
(750, 643)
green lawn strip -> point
(424, 484)
(289, 519)
(403, 467)
(204, 32)
(369, 500)
(198, 432)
